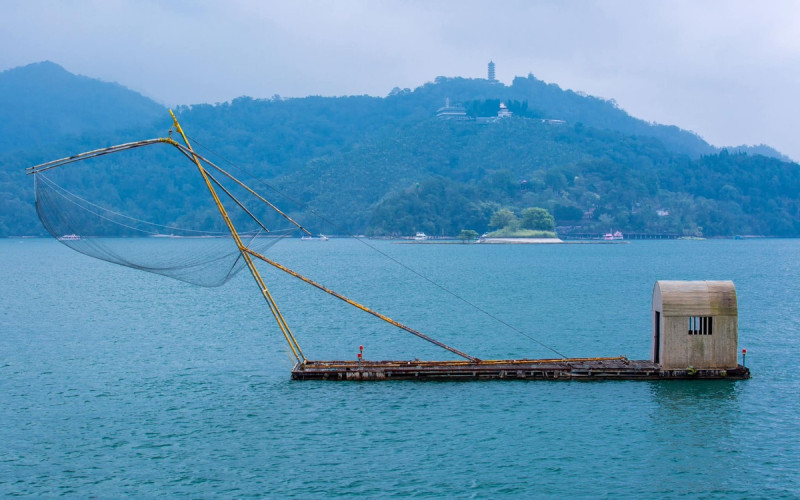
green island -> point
(534, 222)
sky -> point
(727, 70)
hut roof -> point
(695, 298)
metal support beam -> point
(360, 306)
(287, 332)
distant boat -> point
(420, 237)
(69, 237)
(321, 237)
(608, 236)
(618, 236)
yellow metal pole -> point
(235, 200)
(98, 152)
(287, 333)
(249, 190)
(360, 306)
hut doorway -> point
(657, 338)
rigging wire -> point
(73, 221)
(384, 254)
(66, 194)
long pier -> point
(628, 236)
(619, 368)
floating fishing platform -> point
(695, 336)
(695, 323)
(619, 368)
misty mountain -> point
(759, 149)
(43, 102)
(548, 100)
(390, 166)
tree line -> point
(387, 166)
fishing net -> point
(133, 205)
(113, 210)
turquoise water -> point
(116, 382)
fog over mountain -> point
(725, 69)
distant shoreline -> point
(515, 241)
(521, 241)
(571, 242)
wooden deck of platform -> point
(619, 368)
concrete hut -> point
(695, 325)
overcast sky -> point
(728, 70)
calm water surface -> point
(116, 382)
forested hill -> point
(389, 166)
(41, 102)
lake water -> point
(117, 382)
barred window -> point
(700, 325)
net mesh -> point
(203, 253)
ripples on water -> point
(115, 382)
